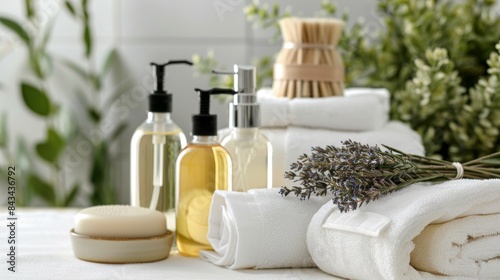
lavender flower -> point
(356, 174)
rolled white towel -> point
(361, 109)
(377, 240)
(468, 246)
(259, 229)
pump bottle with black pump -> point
(202, 167)
(154, 148)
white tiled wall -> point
(145, 31)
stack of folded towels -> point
(421, 232)
(260, 229)
(295, 125)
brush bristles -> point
(316, 32)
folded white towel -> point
(361, 109)
(289, 143)
(395, 134)
(468, 246)
(259, 229)
(375, 241)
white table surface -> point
(44, 252)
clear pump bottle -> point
(250, 150)
(154, 148)
(202, 167)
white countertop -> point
(44, 252)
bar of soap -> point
(120, 221)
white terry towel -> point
(259, 229)
(289, 143)
(395, 134)
(468, 246)
(377, 240)
(360, 109)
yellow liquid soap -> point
(202, 168)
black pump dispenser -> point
(160, 101)
(205, 124)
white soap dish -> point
(121, 249)
(120, 234)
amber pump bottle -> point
(154, 148)
(202, 167)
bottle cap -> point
(244, 111)
(160, 100)
(205, 124)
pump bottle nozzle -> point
(204, 123)
(205, 97)
(159, 73)
(244, 78)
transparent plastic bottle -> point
(154, 148)
(251, 153)
(250, 150)
(159, 129)
(202, 168)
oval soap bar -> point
(120, 221)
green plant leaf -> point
(3, 130)
(99, 173)
(110, 59)
(65, 122)
(82, 99)
(47, 33)
(96, 82)
(24, 163)
(34, 56)
(36, 100)
(85, 9)
(70, 8)
(118, 131)
(23, 159)
(101, 176)
(3, 175)
(87, 39)
(42, 188)
(46, 64)
(28, 4)
(16, 28)
(94, 115)
(52, 147)
(77, 69)
(71, 195)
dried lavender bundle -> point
(357, 174)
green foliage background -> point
(436, 57)
(54, 188)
